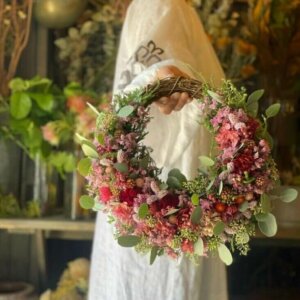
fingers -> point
(175, 102)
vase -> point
(58, 13)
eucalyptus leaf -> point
(128, 240)
(225, 254)
(177, 173)
(255, 96)
(215, 96)
(143, 163)
(195, 199)
(206, 161)
(211, 184)
(89, 149)
(284, 194)
(171, 211)
(153, 254)
(220, 187)
(86, 202)
(101, 139)
(219, 228)
(273, 110)
(244, 206)
(126, 111)
(20, 105)
(261, 217)
(199, 247)
(269, 226)
(265, 203)
(252, 108)
(196, 215)
(173, 182)
(84, 166)
(93, 108)
(163, 186)
(123, 168)
(143, 211)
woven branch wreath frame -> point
(216, 212)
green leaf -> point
(123, 168)
(173, 183)
(219, 228)
(163, 186)
(126, 111)
(252, 108)
(69, 162)
(199, 247)
(100, 139)
(18, 85)
(44, 101)
(128, 240)
(196, 215)
(177, 173)
(243, 238)
(215, 96)
(143, 211)
(261, 217)
(272, 110)
(93, 108)
(284, 194)
(84, 166)
(211, 184)
(195, 199)
(143, 163)
(206, 161)
(172, 211)
(265, 203)
(89, 149)
(72, 89)
(269, 226)
(153, 254)
(86, 202)
(220, 187)
(255, 96)
(225, 254)
(20, 105)
(244, 206)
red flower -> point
(129, 194)
(170, 200)
(252, 126)
(187, 246)
(243, 162)
(105, 193)
(76, 103)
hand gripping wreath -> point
(221, 206)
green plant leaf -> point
(284, 194)
(128, 240)
(173, 182)
(255, 96)
(220, 187)
(243, 238)
(225, 254)
(86, 202)
(171, 211)
(153, 254)
(163, 186)
(196, 215)
(195, 199)
(244, 206)
(44, 101)
(215, 96)
(93, 108)
(69, 162)
(18, 85)
(143, 211)
(20, 105)
(84, 166)
(265, 203)
(177, 173)
(268, 226)
(126, 111)
(206, 161)
(89, 149)
(252, 108)
(261, 217)
(123, 168)
(199, 247)
(211, 184)
(272, 110)
(100, 139)
(219, 228)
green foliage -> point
(196, 215)
(86, 202)
(219, 228)
(128, 240)
(143, 211)
(225, 254)
(199, 247)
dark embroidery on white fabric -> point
(143, 57)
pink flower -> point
(187, 246)
(49, 133)
(76, 103)
(227, 138)
(105, 194)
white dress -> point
(156, 33)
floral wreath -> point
(216, 212)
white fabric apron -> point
(156, 33)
